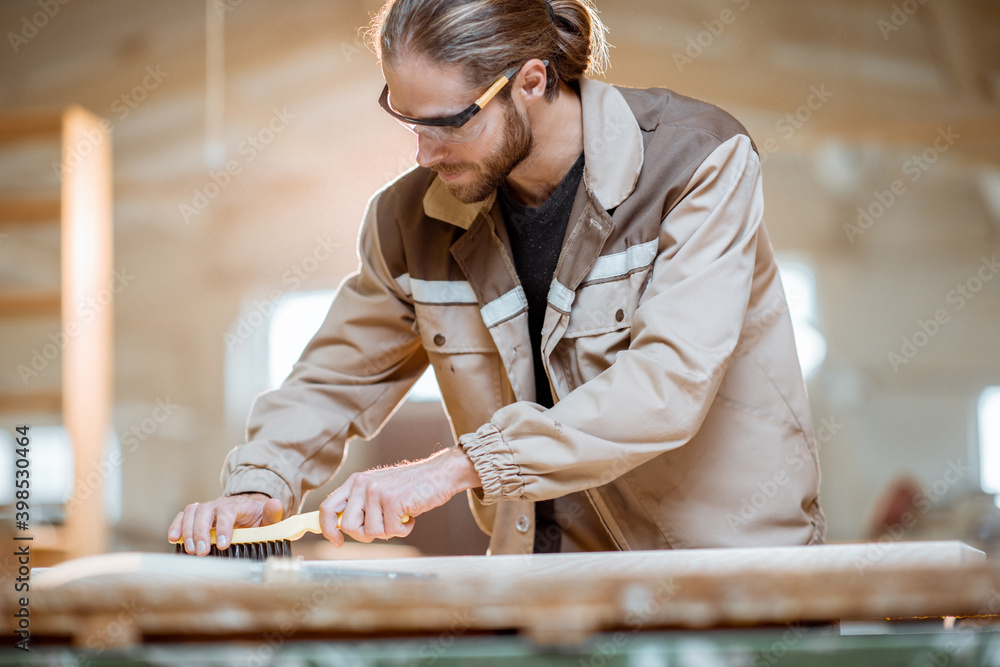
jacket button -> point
(523, 524)
(439, 340)
(620, 315)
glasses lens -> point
(450, 135)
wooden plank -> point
(553, 598)
(30, 209)
(26, 125)
(837, 557)
(31, 401)
(30, 303)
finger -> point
(398, 524)
(204, 519)
(328, 522)
(272, 512)
(225, 518)
(352, 522)
(374, 511)
(349, 501)
(187, 527)
(174, 531)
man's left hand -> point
(374, 502)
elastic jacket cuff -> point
(494, 463)
(250, 479)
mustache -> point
(453, 168)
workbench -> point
(569, 604)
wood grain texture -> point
(554, 598)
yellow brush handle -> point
(291, 528)
(405, 519)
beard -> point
(515, 146)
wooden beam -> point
(31, 401)
(87, 248)
(27, 302)
(15, 126)
(30, 209)
(695, 588)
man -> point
(586, 269)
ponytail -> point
(487, 37)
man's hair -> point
(487, 37)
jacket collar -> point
(612, 147)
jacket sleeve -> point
(656, 394)
(351, 376)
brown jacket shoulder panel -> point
(679, 133)
(413, 243)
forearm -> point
(456, 466)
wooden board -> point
(554, 598)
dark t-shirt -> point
(536, 238)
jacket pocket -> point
(599, 327)
(603, 307)
(465, 360)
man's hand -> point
(374, 502)
(195, 523)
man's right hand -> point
(245, 510)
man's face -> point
(470, 171)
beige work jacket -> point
(681, 416)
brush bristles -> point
(256, 551)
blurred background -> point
(244, 141)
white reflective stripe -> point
(621, 263)
(442, 291)
(504, 307)
(561, 296)
(404, 284)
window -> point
(295, 320)
(989, 441)
(800, 290)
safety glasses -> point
(456, 128)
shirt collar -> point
(613, 155)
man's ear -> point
(529, 84)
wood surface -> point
(553, 598)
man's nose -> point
(430, 151)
